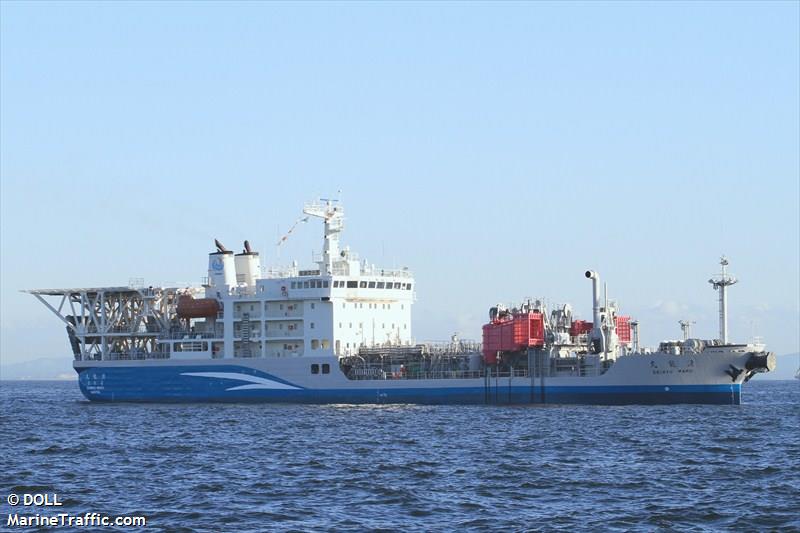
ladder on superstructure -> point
(245, 334)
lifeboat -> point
(190, 307)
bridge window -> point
(326, 368)
(326, 344)
(294, 284)
(397, 285)
(314, 344)
(352, 284)
(380, 285)
(325, 284)
(371, 285)
(315, 368)
(408, 287)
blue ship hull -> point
(223, 383)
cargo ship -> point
(340, 332)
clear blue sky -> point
(498, 150)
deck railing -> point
(366, 374)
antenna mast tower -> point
(721, 284)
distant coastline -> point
(39, 369)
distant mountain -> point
(42, 368)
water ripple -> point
(420, 468)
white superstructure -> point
(333, 309)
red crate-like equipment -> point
(512, 334)
(624, 329)
(579, 327)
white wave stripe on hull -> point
(254, 382)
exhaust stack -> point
(248, 266)
(597, 337)
(221, 269)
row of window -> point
(350, 284)
(371, 285)
(360, 305)
(326, 368)
(255, 328)
(316, 344)
(361, 325)
(289, 307)
(310, 284)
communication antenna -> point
(686, 328)
(721, 283)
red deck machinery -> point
(512, 333)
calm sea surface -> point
(285, 467)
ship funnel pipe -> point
(247, 249)
(595, 277)
(597, 336)
(220, 247)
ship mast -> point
(686, 328)
(721, 283)
(333, 215)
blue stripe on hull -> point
(203, 384)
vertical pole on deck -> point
(530, 375)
